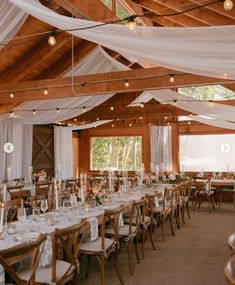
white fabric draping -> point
(63, 152)
(97, 61)
(90, 125)
(161, 147)
(11, 20)
(21, 158)
(219, 115)
(207, 51)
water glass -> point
(21, 214)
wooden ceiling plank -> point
(160, 8)
(201, 14)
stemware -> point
(21, 214)
(44, 206)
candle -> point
(58, 170)
(8, 173)
(82, 188)
(4, 195)
(151, 167)
(30, 173)
(156, 169)
(56, 196)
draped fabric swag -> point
(161, 147)
(207, 51)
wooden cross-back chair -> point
(17, 192)
(9, 256)
(103, 246)
(71, 185)
(64, 268)
(203, 191)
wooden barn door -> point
(43, 149)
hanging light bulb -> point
(168, 123)
(75, 119)
(118, 119)
(189, 122)
(111, 108)
(140, 117)
(165, 117)
(45, 91)
(12, 95)
(142, 105)
(130, 124)
(83, 108)
(57, 110)
(34, 112)
(172, 78)
(97, 119)
(228, 5)
(52, 40)
(127, 83)
(131, 25)
(150, 123)
(190, 114)
(11, 114)
(175, 102)
(112, 125)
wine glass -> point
(44, 206)
(36, 212)
(66, 206)
(21, 214)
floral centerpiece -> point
(97, 193)
(39, 176)
(149, 179)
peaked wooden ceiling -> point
(32, 60)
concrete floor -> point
(195, 256)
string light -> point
(228, 5)
(83, 108)
(172, 78)
(57, 110)
(97, 119)
(12, 95)
(45, 91)
(190, 114)
(51, 40)
(168, 123)
(75, 119)
(127, 83)
(130, 124)
(118, 119)
(112, 125)
(34, 112)
(131, 23)
(140, 117)
(11, 114)
(142, 105)
(189, 122)
(165, 117)
(111, 108)
(175, 102)
(150, 123)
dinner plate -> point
(27, 236)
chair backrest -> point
(112, 216)
(19, 180)
(42, 188)
(71, 184)
(151, 203)
(67, 240)
(12, 209)
(139, 211)
(231, 243)
(15, 191)
(229, 271)
(9, 256)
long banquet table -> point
(68, 217)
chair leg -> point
(182, 210)
(177, 217)
(151, 236)
(117, 267)
(172, 230)
(129, 250)
(101, 259)
(209, 201)
(188, 210)
(136, 249)
(143, 241)
(213, 202)
(163, 232)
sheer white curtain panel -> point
(161, 147)
(63, 156)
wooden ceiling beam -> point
(102, 83)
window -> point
(207, 153)
(121, 11)
(117, 153)
(216, 92)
